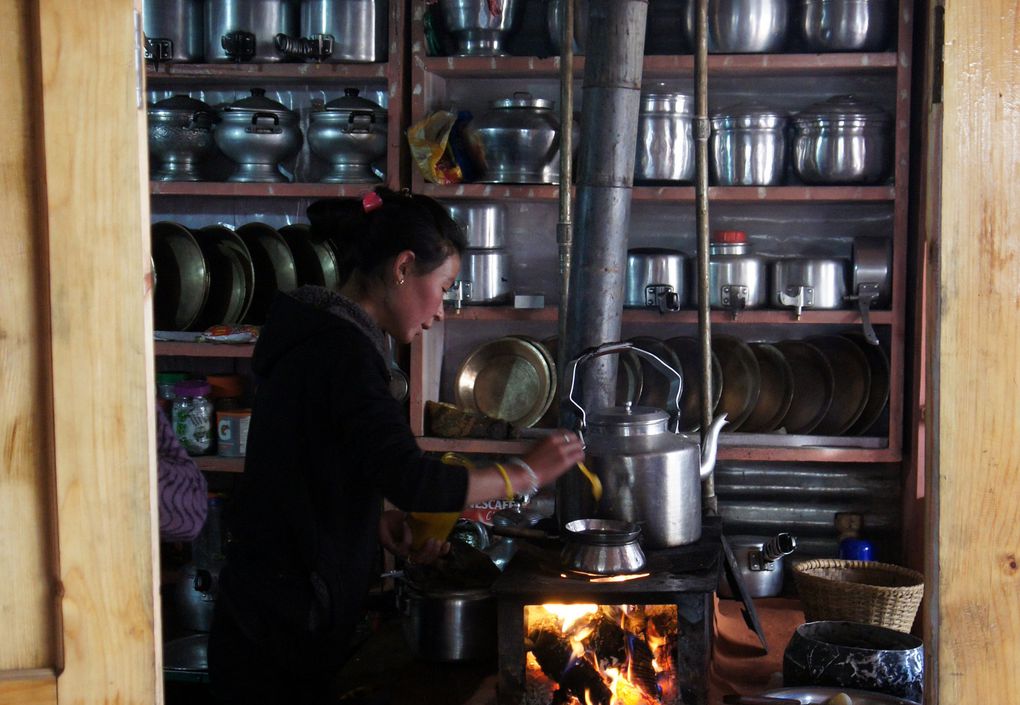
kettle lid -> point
(628, 420)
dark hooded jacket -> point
(327, 443)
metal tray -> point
(507, 378)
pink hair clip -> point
(370, 201)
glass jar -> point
(165, 382)
(193, 416)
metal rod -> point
(565, 227)
(710, 503)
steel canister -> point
(748, 145)
(665, 144)
(736, 278)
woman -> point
(328, 442)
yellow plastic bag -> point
(429, 140)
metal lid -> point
(629, 420)
(667, 103)
(842, 108)
(523, 99)
(351, 101)
(180, 103)
(729, 237)
(751, 114)
(258, 102)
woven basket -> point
(859, 591)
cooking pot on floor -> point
(760, 561)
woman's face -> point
(418, 303)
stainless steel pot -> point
(333, 31)
(257, 133)
(602, 547)
(844, 25)
(448, 624)
(484, 277)
(180, 137)
(483, 222)
(651, 474)
(665, 143)
(806, 282)
(656, 278)
(737, 279)
(245, 30)
(871, 281)
(842, 140)
(748, 146)
(481, 26)
(760, 561)
(173, 30)
(350, 133)
(520, 141)
(742, 26)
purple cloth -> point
(183, 494)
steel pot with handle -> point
(245, 30)
(173, 30)
(520, 139)
(736, 278)
(808, 282)
(871, 286)
(650, 473)
(180, 137)
(339, 31)
(257, 133)
(350, 133)
(761, 564)
(656, 278)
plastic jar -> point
(193, 416)
(165, 382)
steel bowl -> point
(602, 547)
(742, 26)
(478, 30)
(843, 25)
(748, 146)
(842, 140)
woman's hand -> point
(395, 537)
(554, 455)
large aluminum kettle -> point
(651, 474)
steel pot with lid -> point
(742, 26)
(656, 278)
(245, 30)
(180, 137)
(842, 140)
(173, 30)
(520, 141)
(844, 25)
(808, 282)
(481, 26)
(350, 133)
(665, 142)
(257, 133)
(748, 145)
(335, 31)
(736, 278)
(650, 473)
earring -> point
(401, 282)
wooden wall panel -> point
(975, 615)
(27, 608)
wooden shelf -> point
(636, 315)
(214, 463)
(196, 74)
(257, 190)
(164, 348)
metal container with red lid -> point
(737, 279)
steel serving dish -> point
(245, 30)
(742, 26)
(520, 141)
(656, 278)
(257, 134)
(842, 140)
(180, 137)
(231, 276)
(748, 145)
(741, 379)
(878, 394)
(852, 383)
(350, 133)
(665, 141)
(844, 25)
(481, 26)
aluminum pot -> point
(483, 222)
(650, 473)
(245, 30)
(842, 140)
(335, 31)
(257, 133)
(602, 547)
(665, 142)
(656, 278)
(520, 141)
(742, 26)
(871, 281)
(350, 133)
(737, 279)
(173, 30)
(481, 26)
(748, 146)
(844, 25)
(760, 561)
(484, 277)
(180, 137)
(808, 282)
(449, 624)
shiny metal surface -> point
(813, 384)
(776, 390)
(180, 130)
(229, 241)
(743, 26)
(554, 22)
(816, 694)
(808, 283)
(688, 354)
(737, 279)
(842, 140)
(762, 578)
(453, 625)
(741, 379)
(658, 385)
(665, 139)
(275, 269)
(263, 18)
(519, 138)
(182, 275)
(844, 25)
(477, 29)
(878, 394)
(653, 266)
(180, 21)
(351, 134)
(484, 276)
(852, 383)
(602, 547)
(748, 146)
(359, 27)
(314, 262)
(257, 133)
(872, 264)
(483, 222)
(230, 271)
(506, 378)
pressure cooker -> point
(350, 133)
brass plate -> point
(852, 377)
(274, 267)
(182, 278)
(654, 384)
(741, 380)
(507, 378)
(878, 396)
(550, 360)
(688, 352)
(231, 276)
(812, 386)
(776, 393)
(315, 261)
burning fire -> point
(587, 654)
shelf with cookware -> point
(854, 88)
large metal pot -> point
(844, 25)
(748, 145)
(520, 141)
(808, 282)
(842, 140)
(656, 278)
(333, 31)
(180, 137)
(481, 26)
(350, 133)
(742, 26)
(665, 143)
(484, 276)
(449, 624)
(736, 278)
(651, 474)
(483, 222)
(245, 30)
(257, 133)
(173, 30)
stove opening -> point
(589, 654)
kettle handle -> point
(675, 386)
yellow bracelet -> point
(506, 479)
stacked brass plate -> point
(315, 262)
(813, 382)
(508, 378)
(182, 278)
(688, 352)
(776, 393)
(878, 395)
(231, 276)
(274, 267)
(741, 379)
(851, 385)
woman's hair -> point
(367, 232)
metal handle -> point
(798, 297)
(866, 296)
(360, 122)
(254, 127)
(675, 386)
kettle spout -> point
(708, 451)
